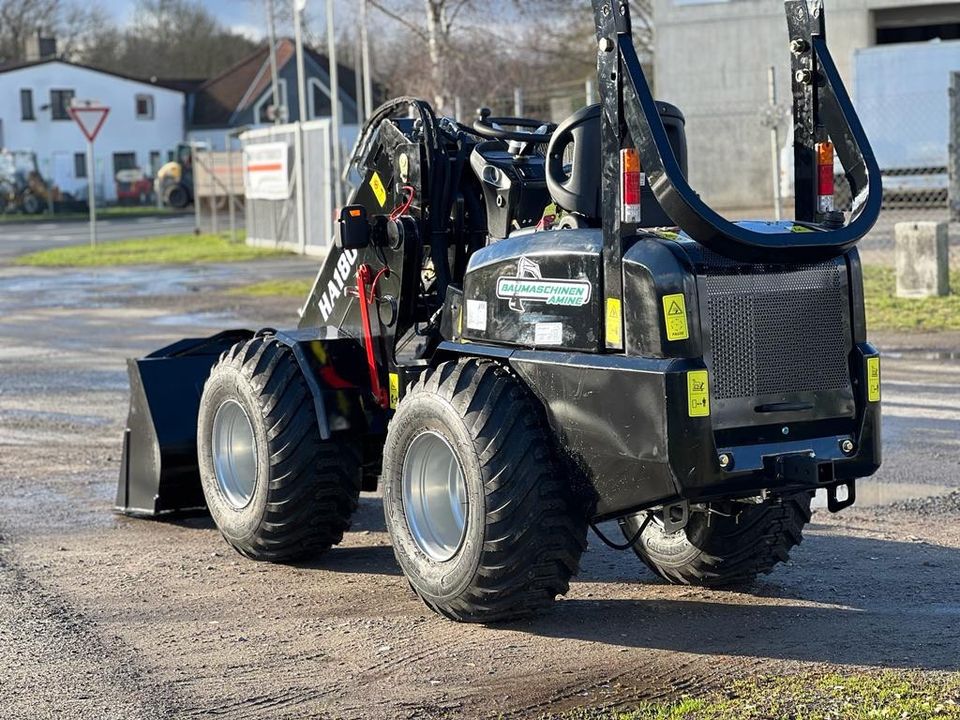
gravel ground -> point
(103, 616)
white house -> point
(145, 124)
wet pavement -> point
(103, 616)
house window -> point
(26, 105)
(154, 161)
(262, 110)
(124, 161)
(144, 107)
(79, 166)
(60, 104)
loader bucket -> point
(159, 473)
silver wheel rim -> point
(435, 496)
(234, 454)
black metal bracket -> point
(834, 504)
(294, 340)
(821, 101)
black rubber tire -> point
(306, 489)
(525, 530)
(178, 197)
(718, 551)
(32, 205)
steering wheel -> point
(492, 127)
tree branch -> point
(398, 18)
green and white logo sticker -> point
(530, 286)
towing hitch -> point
(806, 470)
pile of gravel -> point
(940, 505)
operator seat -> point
(574, 166)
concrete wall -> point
(712, 60)
(57, 141)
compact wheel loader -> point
(524, 330)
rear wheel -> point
(483, 521)
(276, 490)
(723, 550)
(178, 197)
(32, 205)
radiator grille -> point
(779, 331)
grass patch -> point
(163, 250)
(882, 696)
(276, 288)
(119, 211)
(885, 311)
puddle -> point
(107, 287)
(199, 319)
(871, 493)
(922, 354)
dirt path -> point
(103, 616)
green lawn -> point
(166, 250)
(119, 211)
(885, 311)
(882, 696)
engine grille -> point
(780, 331)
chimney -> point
(40, 47)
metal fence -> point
(276, 222)
(917, 144)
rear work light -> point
(632, 181)
(825, 185)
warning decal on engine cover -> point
(376, 184)
(873, 379)
(675, 316)
(698, 393)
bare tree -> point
(168, 39)
(71, 23)
(447, 42)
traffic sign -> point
(90, 117)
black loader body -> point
(683, 363)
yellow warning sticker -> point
(394, 390)
(614, 322)
(873, 379)
(675, 315)
(698, 393)
(376, 184)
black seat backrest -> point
(578, 140)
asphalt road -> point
(109, 617)
(19, 238)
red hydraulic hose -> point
(363, 279)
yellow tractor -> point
(174, 183)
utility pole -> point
(274, 75)
(365, 52)
(334, 104)
(298, 8)
(775, 145)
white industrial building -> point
(145, 124)
(713, 59)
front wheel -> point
(276, 490)
(484, 524)
(723, 549)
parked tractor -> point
(525, 330)
(22, 187)
(174, 182)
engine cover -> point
(538, 290)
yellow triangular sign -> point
(675, 309)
